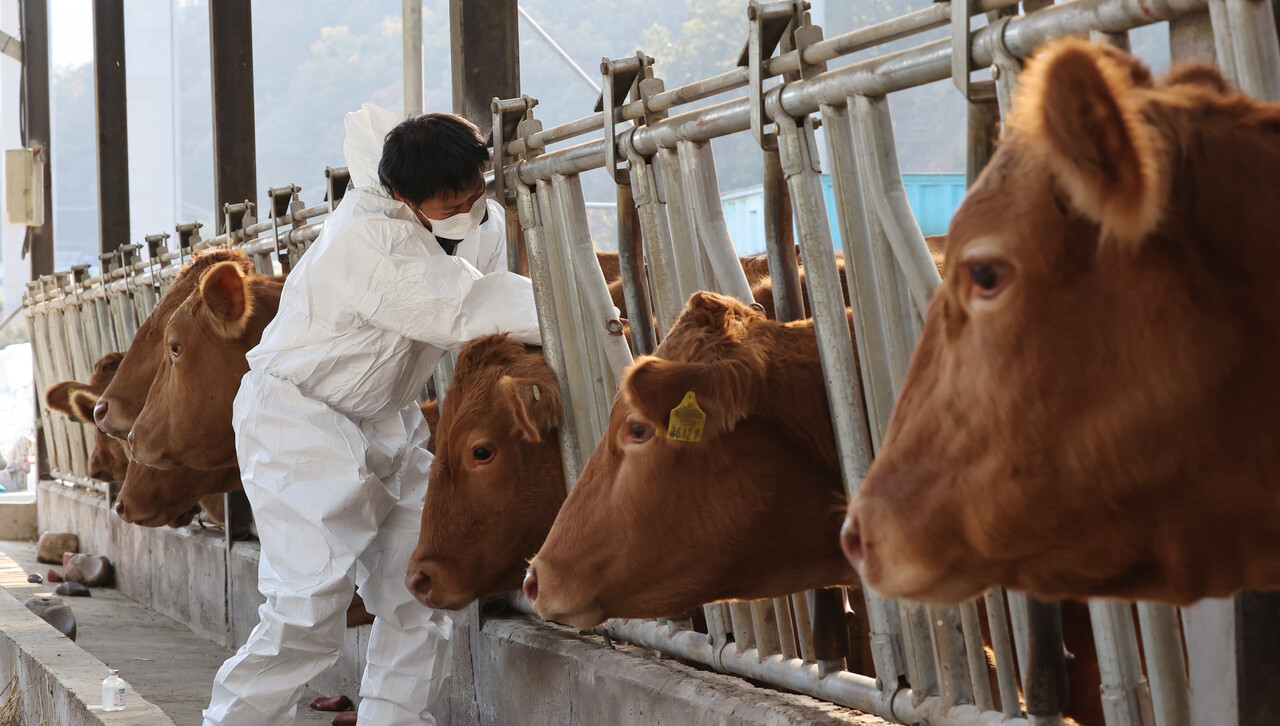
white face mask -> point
(460, 225)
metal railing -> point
(75, 319)
(929, 663)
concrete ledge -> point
(525, 671)
(57, 680)
(18, 516)
(183, 574)
(507, 670)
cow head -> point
(123, 400)
(76, 400)
(497, 479)
(159, 497)
(1091, 408)
(187, 417)
(666, 517)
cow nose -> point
(851, 541)
(419, 583)
(120, 508)
(531, 585)
(100, 413)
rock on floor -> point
(54, 611)
(53, 544)
(89, 570)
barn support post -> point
(411, 31)
(35, 82)
(486, 57)
(235, 167)
(485, 65)
(34, 20)
(112, 124)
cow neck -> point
(793, 392)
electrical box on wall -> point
(24, 186)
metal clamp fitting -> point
(188, 237)
(284, 205)
(620, 76)
(768, 24)
(238, 216)
(337, 180)
(507, 117)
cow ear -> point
(937, 244)
(709, 310)
(224, 288)
(58, 398)
(1081, 105)
(82, 403)
(535, 403)
(431, 412)
(1197, 74)
(725, 390)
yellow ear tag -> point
(537, 395)
(687, 420)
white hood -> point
(362, 148)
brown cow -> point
(1092, 408)
(76, 400)
(496, 482)
(474, 542)
(123, 400)
(176, 496)
(187, 418)
(762, 482)
(759, 384)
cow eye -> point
(482, 454)
(175, 350)
(638, 432)
(989, 278)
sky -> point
(70, 32)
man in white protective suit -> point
(331, 444)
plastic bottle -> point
(113, 691)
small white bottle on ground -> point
(113, 691)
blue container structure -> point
(933, 199)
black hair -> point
(432, 154)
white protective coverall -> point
(332, 446)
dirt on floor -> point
(164, 662)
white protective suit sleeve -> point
(440, 300)
(443, 301)
(497, 257)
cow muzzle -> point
(100, 415)
(851, 542)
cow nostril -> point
(120, 508)
(419, 583)
(851, 541)
(100, 412)
(531, 585)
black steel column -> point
(35, 83)
(235, 167)
(112, 121)
(486, 57)
(1045, 681)
(1258, 658)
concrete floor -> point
(167, 664)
